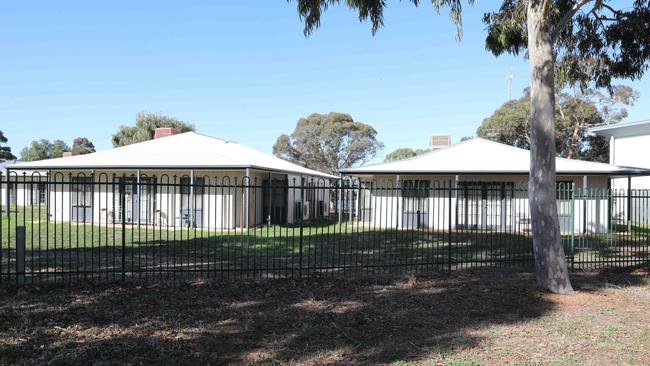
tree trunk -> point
(573, 148)
(551, 270)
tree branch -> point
(568, 16)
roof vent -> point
(439, 141)
(165, 131)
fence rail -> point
(67, 228)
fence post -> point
(300, 220)
(449, 227)
(20, 256)
(629, 204)
(8, 194)
(573, 230)
(122, 193)
(339, 198)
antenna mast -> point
(509, 81)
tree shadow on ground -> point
(229, 256)
(361, 321)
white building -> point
(480, 184)
(181, 179)
(21, 194)
(629, 144)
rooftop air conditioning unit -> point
(439, 141)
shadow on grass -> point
(362, 321)
(237, 255)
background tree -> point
(594, 43)
(44, 149)
(328, 142)
(509, 124)
(82, 145)
(5, 151)
(587, 107)
(404, 153)
(576, 111)
(145, 127)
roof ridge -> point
(427, 153)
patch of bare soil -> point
(487, 317)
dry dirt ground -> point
(488, 317)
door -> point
(139, 200)
(415, 204)
(485, 205)
(276, 199)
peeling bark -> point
(551, 270)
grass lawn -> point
(485, 318)
(66, 251)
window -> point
(81, 191)
(414, 192)
(188, 202)
(39, 191)
(13, 193)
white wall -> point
(632, 151)
(511, 212)
(223, 200)
(21, 193)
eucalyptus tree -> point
(328, 142)
(5, 151)
(44, 149)
(82, 145)
(145, 128)
(403, 153)
(584, 40)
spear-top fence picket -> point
(69, 228)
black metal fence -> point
(66, 228)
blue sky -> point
(244, 71)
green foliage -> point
(82, 145)
(145, 127)
(310, 11)
(44, 149)
(328, 142)
(509, 124)
(576, 111)
(5, 151)
(594, 43)
(404, 153)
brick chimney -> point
(165, 131)
(68, 154)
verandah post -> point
(449, 214)
(340, 198)
(573, 198)
(122, 193)
(300, 218)
(7, 191)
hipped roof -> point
(188, 150)
(481, 156)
